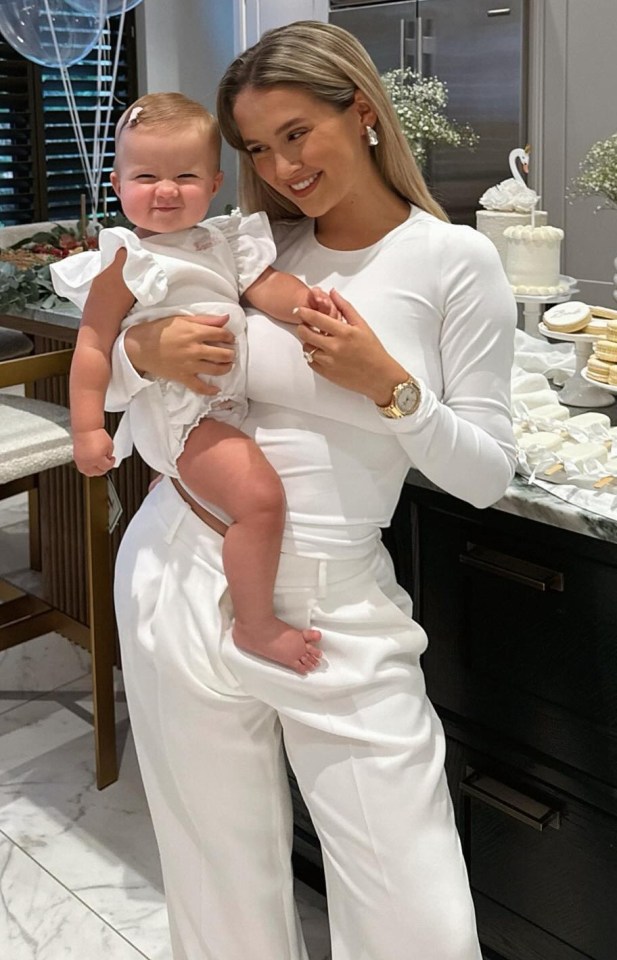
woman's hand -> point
(347, 352)
(181, 348)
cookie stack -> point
(576, 317)
(602, 364)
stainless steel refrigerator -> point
(479, 49)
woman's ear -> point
(365, 109)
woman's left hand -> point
(347, 352)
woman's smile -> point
(304, 186)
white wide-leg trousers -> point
(366, 746)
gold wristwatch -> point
(405, 400)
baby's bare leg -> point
(225, 467)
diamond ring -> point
(309, 355)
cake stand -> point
(533, 306)
(579, 390)
(602, 386)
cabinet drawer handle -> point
(532, 812)
(511, 568)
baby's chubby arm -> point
(108, 303)
(280, 294)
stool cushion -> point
(14, 344)
(34, 436)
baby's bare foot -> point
(278, 641)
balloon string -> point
(68, 90)
(97, 160)
(112, 84)
(77, 127)
(97, 122)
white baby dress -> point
(202, 270)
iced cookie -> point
(568, 317)
(604, 312)
(596, 327)
(606, 350)
(598, 369)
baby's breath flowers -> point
(597, 175)
(420, 103)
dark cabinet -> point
(522, 667)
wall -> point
(187, 44)
(573, 104)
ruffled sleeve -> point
(144, 277)
(251, 243)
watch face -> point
(407, 399)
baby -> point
(166, 172)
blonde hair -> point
(331, 65)
(173, 111)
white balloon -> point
(52, 33)
(114, 7)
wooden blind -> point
(41, 176)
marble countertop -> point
(544, 506)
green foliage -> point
(420, 104)
(25, 278)
(597, 175)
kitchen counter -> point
(535, 503)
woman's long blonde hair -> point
(329, 63)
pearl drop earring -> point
(372, 137)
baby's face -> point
(165, 181)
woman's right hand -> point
(180, 348)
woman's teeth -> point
(303, 184)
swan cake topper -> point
(512, 195)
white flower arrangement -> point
(420, 104)
(597, 175)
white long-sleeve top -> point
(437, 297)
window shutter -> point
(39, 156)
(19, 157)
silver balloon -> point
(52, 33)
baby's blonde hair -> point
(330, 64)
(173, 111)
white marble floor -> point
(79, 870)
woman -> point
(417, 375)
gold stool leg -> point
(101, 626)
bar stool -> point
(35, 437)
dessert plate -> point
(598, 383)
(569, 337)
